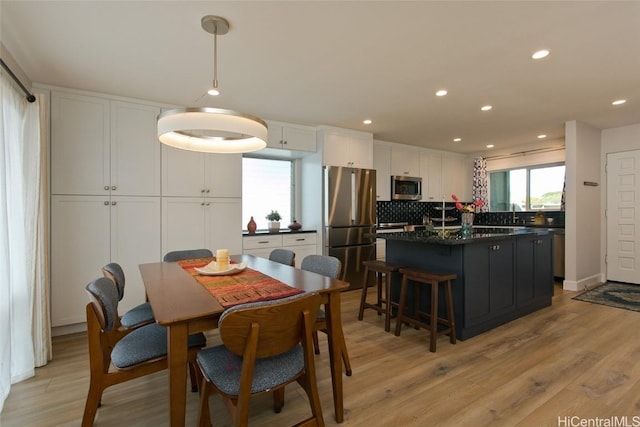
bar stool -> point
(422, 277)
(382, 305)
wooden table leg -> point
(177, 345)
(336, 337)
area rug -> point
(613, 294)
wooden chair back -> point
(268, 329)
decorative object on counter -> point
(294, 226)
(539, 218)
(466, 220)
(251, 226)
(467, 208)
(274, 221)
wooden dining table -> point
(184, 306)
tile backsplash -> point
(413, 212)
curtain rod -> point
(30, 97)
(524, 153)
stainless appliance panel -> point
(406, 187)
(349, 236)
(350, 196)
(352, 258)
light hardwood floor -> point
(571, 359)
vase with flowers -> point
(466, 214)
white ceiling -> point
(337, 63)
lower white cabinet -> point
(88, 232)
(302, 244)
(190, 223)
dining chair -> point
(265, 346)
(283, 256)
(327, 266)
(139, 315)
(187, 254)
(132, 353)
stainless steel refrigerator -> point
(349, 214)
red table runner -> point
(247, 286)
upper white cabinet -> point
(291, 137)
(405, 162)
(135, 149)
(456, 177)
(79, 144)
(342, 147)
(192, 174)
(100, 146)
(431, 173)
(382, 165)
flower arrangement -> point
(467, 208)
(273, 216)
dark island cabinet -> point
(489, 281)
(534, 276)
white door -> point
(623, 216)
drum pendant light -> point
(212, 130)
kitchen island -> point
(502, 273)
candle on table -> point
(222, 259)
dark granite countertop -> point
(453, 236)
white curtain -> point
(25, 340)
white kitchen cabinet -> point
(382, 165)
(88, 232)
(291, 137)
(302, 244)
(431, 174)
(79, 144)
(135, 149)
(381, 249)
(193, 174)
(100, 146)
(456, 177)
(342, 147)
(405, 162)
(189, 223)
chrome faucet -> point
(514, 218)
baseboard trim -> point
(582, 284)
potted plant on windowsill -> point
(274, 221)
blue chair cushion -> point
(146, 343)
(137, 315)
(223, 369)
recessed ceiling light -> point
(619, 102)
(490, 146)
(540, 54)
(441, 92)
(457, 139)
(367, 121)
(542, 136)
(486, 108)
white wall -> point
(614, 140)
(583, 216)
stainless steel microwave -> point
(406, 187)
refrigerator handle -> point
(354, 198)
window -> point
(267, 184)
(527, 189)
